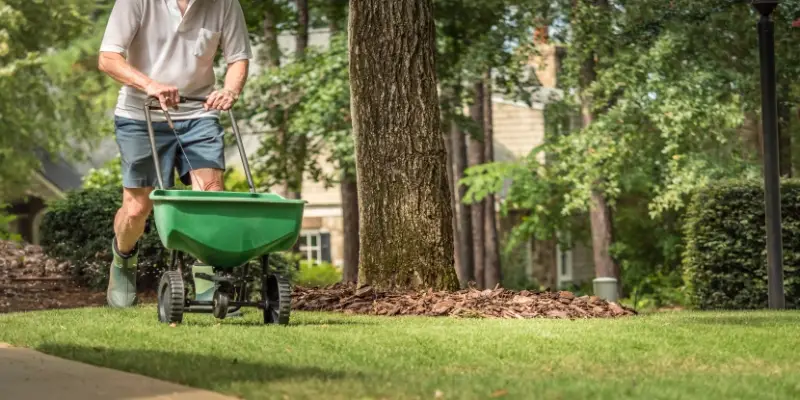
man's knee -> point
(137, 204)
(207, 180)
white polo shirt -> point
(173, 49)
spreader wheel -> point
(220, 308)
(171, 297)
(278, 300)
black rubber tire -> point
(171, 298)
(278, 304)
(220, 306)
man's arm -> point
(123, 23)
(117, 67)
(237, 52)
(235, 78)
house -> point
(518, 129)
(51, 181)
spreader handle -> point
(152, 103)
(181, 100)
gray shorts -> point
(201, 142)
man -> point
(166, 48)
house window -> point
(315, 246)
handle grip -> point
(153, 103)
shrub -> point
(725, 261)
(80, 228)
(5, 225)
(317, 275)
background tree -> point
(492, 270)
(477, 156)
(51, 96)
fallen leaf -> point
(499, 393)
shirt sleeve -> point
(235, 39)
(123, 23)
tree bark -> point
(476, 157)
(301, 43)
(462, 213)
(406, 236)
(273, 53)
(446, 127)
(600, 212)
(272, 59)
(349, 184)
(492, 269)
(349, 191)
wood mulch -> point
(489, 303)
(30, 281)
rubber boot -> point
(121, 292)
(204, 288)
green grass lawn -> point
(331, 356)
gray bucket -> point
(606, 288)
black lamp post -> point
(769, 109)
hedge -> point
(725, 259)
(79, 229)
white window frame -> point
(564, 272)
(308, 249)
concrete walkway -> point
(27, 374)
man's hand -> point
(221, 100)
(167, 95)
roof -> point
(59, 172)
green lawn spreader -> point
(225, 230)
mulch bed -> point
(29, 281)
(489, 303)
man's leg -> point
(138, 179)
(131, 218)
(128, 229)
(207, 179)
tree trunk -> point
(476, 157)
(463, 216)
(348, 186)
(301, 43)
(272, 59)
(403, 194)
(600, 212)
(446, 127)
(492, 252)
(273, 53)
(349, 191)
